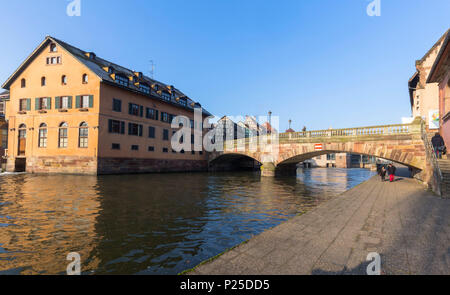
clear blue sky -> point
(320, 63)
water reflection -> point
(147, 224)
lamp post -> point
(290, 121)
(270, 123)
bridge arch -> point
(234, 161)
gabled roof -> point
(442, 58)
(97, 66)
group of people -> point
(390, 170)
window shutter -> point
(91, 101)
(140, 130)
(69, 103)
(57, 102)
(110, 125)
(129, 108)
(141, 111)
(129, 128)
(78, 102)
(122, 127)
(156, 115)
(36, 104)
(49, 103)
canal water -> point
(148, 224)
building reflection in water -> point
(147, 224)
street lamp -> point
(270, 123)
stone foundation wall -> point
(130, 165)
(62, 165)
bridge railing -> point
(359, 131)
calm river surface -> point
(148, 224)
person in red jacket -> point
(391, 171)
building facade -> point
(424, 96)
(440, 74)
(73, 112)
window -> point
(24, 104)
(117, 105)
(134, 147)
(2, 108)
(4, 133)
(23, 83)
(83, 135)
(121, 80)
(43, 103)
(53, 47)
(166, 96)
(151, 148)
(62, 143)
(115, 146)
(85, 78)
(183, 102)
(64, 80)
(42, 141)
(135, 110)
(165, 134)
(43, 81)
(144, 88)
(84, 101)
(151, 114)
(63, 102)
(200, 153)
(115, 126)
(164, 117)
(134, 129)
(165, 150)
(54, 60)
(331, 157)
(151, 132)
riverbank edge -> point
(187, 271)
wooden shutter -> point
(36, 103)
(69, 103)
(49, 103)
(110, 125)
(129, 128)
(140, 130)
(156, 115)
(78, 102)
(57, 102)
(91, 101)
(122, 127)
(141, 111)
(129, 108)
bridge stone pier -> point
(405, 144)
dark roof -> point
(97, 65)
(432, 77)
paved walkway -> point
(407, 225)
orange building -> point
(72, 112)
(4, 97)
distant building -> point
(424, 96)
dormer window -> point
(110, 70)
(121, 80)
(155, 87)
(90, 55)
(144, 88)
(183, 102)
(138, 74)
(53, 47)
(166, 96)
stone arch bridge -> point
(402, 143)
